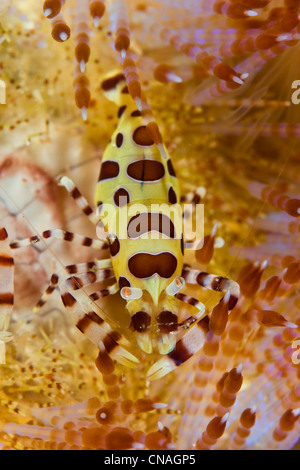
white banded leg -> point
(213, 282)
(59, 234)
(88, 302)
(100, 268)
(168, 322)
(187, 299)
(185, 348)
(110, 290)
(87, 278)
(6, 291)
(194, 197)
(190, 201)
(96, 329)
(78, 198)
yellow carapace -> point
(138, 217)
(146, 245)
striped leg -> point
(85, 207)
(6, 291)
(50, 289)
(194, 197)
(98, 270)
(185, 348)
(87, 278)
(213, 282)
(88, 302)
(189, 202)
(193, 215)
(168, 325)
(98, 331)
(59, 234)
(110, 290)
(78, 198)
(187, 299)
